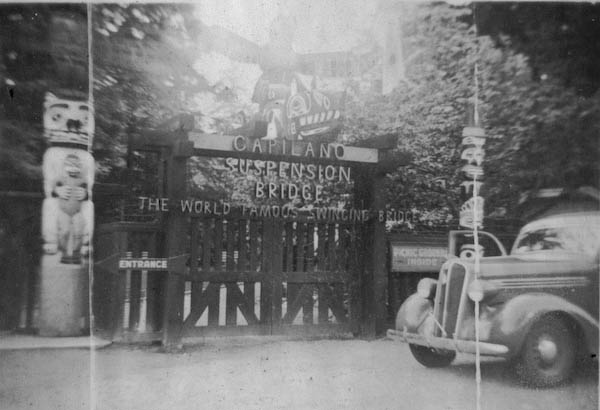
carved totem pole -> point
(67, 216)
(471, 212)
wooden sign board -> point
(235, 145)
(149, 264)
(416, 257)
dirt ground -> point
(266, 373)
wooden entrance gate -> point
(257, 275)
(236, 274)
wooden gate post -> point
(379, 254)
(373, 278)
(177, 239)
(273, 267)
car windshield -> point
(573, 238)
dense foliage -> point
(542, 133)
(538, 99)
(546, 108)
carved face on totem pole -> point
(68, 167)
(67, 121)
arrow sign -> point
(114, 263)
(109, 264)
(149, 264)
(178, 264)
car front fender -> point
(413, 313)
(512, 323)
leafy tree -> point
(427, 111)
(530, 104)
(540, 132)
(560, 39)
(31, 63)
(33, 60)
(137, 77)
(544, 108)
(149, 68)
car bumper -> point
(462, 346)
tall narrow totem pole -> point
(67, 217)
(471, 212)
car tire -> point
(548, 355)
(430, 357)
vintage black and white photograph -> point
(299, 204)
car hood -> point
(535, 263)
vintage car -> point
(538, 306)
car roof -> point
(566, 219)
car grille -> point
(449, 297)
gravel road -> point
(266, 373)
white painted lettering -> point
(239, 143)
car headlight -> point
(479, 290)
(426, 288)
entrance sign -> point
(150, 264)
(228, 144)
(301, 168)
(198, 207)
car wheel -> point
(430, 357)
(548, 355)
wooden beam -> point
(266, 288)
(177, 244)
(278, 150)
(275, 271)
(372, 279)
(379, 257)
(151, 141)
(383, 142)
